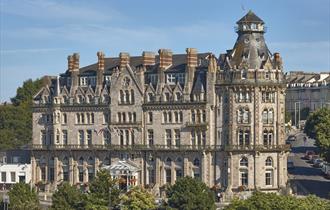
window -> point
(244, 178)
(65, 137)
(51, 174)
(12, 176)
(203, 116)
(89, 137)
(81, 137)
(193, 116)
(244, 74)
(268, 97)
(170, 78)
(43, 137)
(106, 137)
(43, 173)
(90, 163)
(151, 173)
(121, 97)
(244, 162)
(153, 78)
(178, 173)
(269, 161)
(167, 96)
(168, 137)
(177, 137)
(180, 78)
(269, 177)
(83, 81)
(150, 137)
(244, 137)
(118, 117)
(150, 119)
(132, 97)
(105, 118)
(268, 116)
(180, 116)
(243, 96)
(64, 118)
(65, 168)
(193, 138)
(3, 177)
(268, 137)
(196, 162)
(81, 174)
(178, 96)
(57, 136)
(243, 115)
(150, 97)
(106, 161)
(127, 97)
(168, 175)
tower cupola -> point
(250, 23)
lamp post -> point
(295, 113)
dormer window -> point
(167, 97)
(170, 78)
(83, 81)
(181, 78)
(253, 26)
(153, 78)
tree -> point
(288, 117)
(261, 200)
(68, 197)
(318, 127)
(23, 197)
(16, 118)
(138, 198)
(189, 193)
(101, 188)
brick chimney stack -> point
(278, 61)
(124, 59)
(76, 58)
(148, 58)
(100, 68)
(165, 58)
(70, 63)
(191, 57)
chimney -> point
(191, 57)
(277, 61)
(76, 61)
(124, 59)
(100, 68)
(70, 62)
(165, 58)
(148, 58)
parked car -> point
(292, 138)
(327, 175)
(309, 154)
(325, 168)
(290, 164)
(312, 158)
(317, 163)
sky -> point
(36, 36)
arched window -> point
(81, 161)
(180, 116)
(130, 117)
(92, 117)
(179, 160)
(244, 162)
(269, 161)
(132, 96)
(106, 161)
(127, 96)
(164, 117)
(123, 115)
(268, 137)
(193, 116)
(204, 116)
(176, 117)
(78, 120)
(169, 117)
(177, 96)
(65, 169)
(168, 161)
(134, 117)
(90, 161)
(119, 117)
(196, 162)
(121, 96)
(268, 116)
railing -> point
(197, 124)
(163, 147)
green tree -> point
(318, 127)
(68, 197)
(288, 117)
(101, 189)
(16, 118)
(189, 194)
(261, 201)
(138, 198)
(23, 197)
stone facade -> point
(306, 90)
(217, 119)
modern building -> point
(152, 119)
(14, 173)
(306, 90)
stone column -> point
(33, 170)
(186, 166)
(97, 164)
(173, 173)
(229, 192)
(158, 171)
(71, 171)
(56, 172)
(203, 163)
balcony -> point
(136, 147)
(203, 125)
(260, 148)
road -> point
(304, 178)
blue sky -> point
(38, 35)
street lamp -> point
(295, 113)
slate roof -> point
(250, 17)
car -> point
(317, 163)
(309, 154)
(292, 138)
(312, 158)
(327, 175)
(290, 164)
(326, 167)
